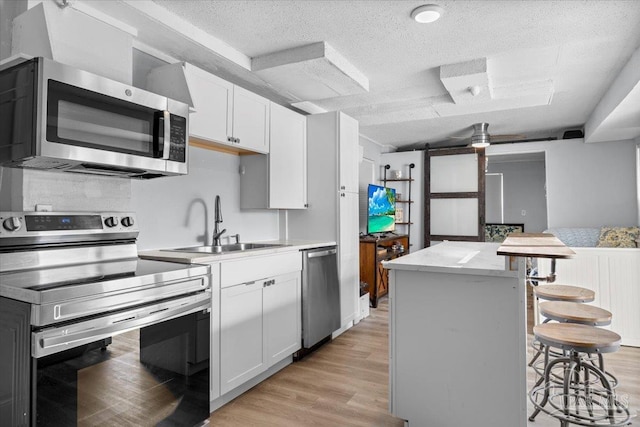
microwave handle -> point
(162, 142)
(166, 145)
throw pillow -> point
(618, 237)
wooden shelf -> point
(374, 250)
(406, 203)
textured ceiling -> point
(547, 63)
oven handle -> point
(50, 341)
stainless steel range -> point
(91, 334)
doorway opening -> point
(522, 198)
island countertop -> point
(477, 258)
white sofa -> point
(613, 273)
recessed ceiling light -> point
(427, 13)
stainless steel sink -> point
(234, 247)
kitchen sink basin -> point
(234, 247)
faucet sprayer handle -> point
(218, 210)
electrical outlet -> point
(523, 213)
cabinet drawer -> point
(258, 267)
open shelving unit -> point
(405, 201)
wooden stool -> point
(563, 293)
(559, 293)
(577, 400)
(572, 312)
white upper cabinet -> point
(213, 102)
(278, 180)
(224, 113)
(288, 160)
(250, 120)
(348, 152)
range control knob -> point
(12, 223)
(111, 221)
(127, 221)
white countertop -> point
(199, 257)
(477, 258)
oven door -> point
(145, 366)
(94, 120)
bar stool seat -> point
(585, 396)
(570, 312)
(574, 312)
(559, 292)
(580, 338)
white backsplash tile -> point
(67, 191)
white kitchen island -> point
(457, 335)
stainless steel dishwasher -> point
(320, 295)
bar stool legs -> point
(576, 401)
(583, 393)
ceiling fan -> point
(481, 137)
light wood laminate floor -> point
(345, 383)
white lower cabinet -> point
(281, 304)
(260, 320)
(241, 334)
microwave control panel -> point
(178, 138)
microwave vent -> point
(96, 169)
(43, 163)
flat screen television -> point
(381, 215)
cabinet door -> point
(250, 120)
(214, 369)
(212, 99)
(348, 256)
(282, 305)
(287, 159)
(348, 153)
(241, 335)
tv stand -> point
(374, 250)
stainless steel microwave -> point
(56, 117)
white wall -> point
(9, 9)
(176, 211)
(524, 190)
(170, 210)
(493, 193)
(588, 185)
(23, 189)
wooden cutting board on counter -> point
(537, 245)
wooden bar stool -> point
(563, 293)
(573, 312)
(556, 292)
(579, 399)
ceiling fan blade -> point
(507, 137)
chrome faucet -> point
(218, 220)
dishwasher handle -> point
(320, 253)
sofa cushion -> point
(576, 237)
(618, 237)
